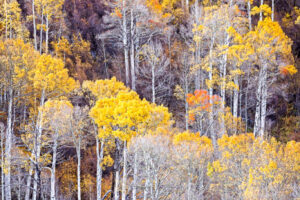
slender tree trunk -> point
(2, 164)
(197, 51)
(116, 177)
(189, 187)
(125, 43)
(273, 9)
(47, 33)
(264, 102)
(8, 144)
(34, 24)
(132, 56)
(99, 168)
(134, 182)
(153, 82)
(186, 105)
(124, 179)
(249, 15)
(54, 148)
(41, 31)
(78, 169)
(261, 11)
(117, 180)
(235, 103)
(257, 119)
(210, 74)
(28, 183)
(6, 28)
(38, 148)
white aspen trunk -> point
(2, 164)
(38, 147)
(124, 179)
(261, 12)
(235, 102)
(153, 82)
(41, 31)
(186, 105)
(47, 33)
(197, 52)
(78, 169)
(264, 96)
(257, 119)
(125, 43)
(5, 8)
(134, 182)
(273, 9)
(189, 187)
(132, 56)
(116, 189)
(249, 15)
(34, 24)
(8, 143)
(28, 183)
(54, 148)
(99, 168)
(212, 133)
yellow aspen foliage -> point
(269, 40)
(253, 168)
(50, 75)
(265, 9)
(122, 114)
(107, 88)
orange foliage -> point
(202, 100)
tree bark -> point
(41, 31)
(38, 148)
(47, 34)
(264, 96)
(261, 11)
(134, 182)
(124, 179)
(78, 169)
(5, 8)
(99, 168)
(153, 82)
(132, 56)
(28, 183)
(2, 164)
(34, 25)
(125, 43)
(54, 149)
(8, 144)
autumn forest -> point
(149, 99)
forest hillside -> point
(150, 99)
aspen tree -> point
(266, 33)
(49, 79)
(56, 120)
(101, 89)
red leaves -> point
(201, 101)
(202, 98)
